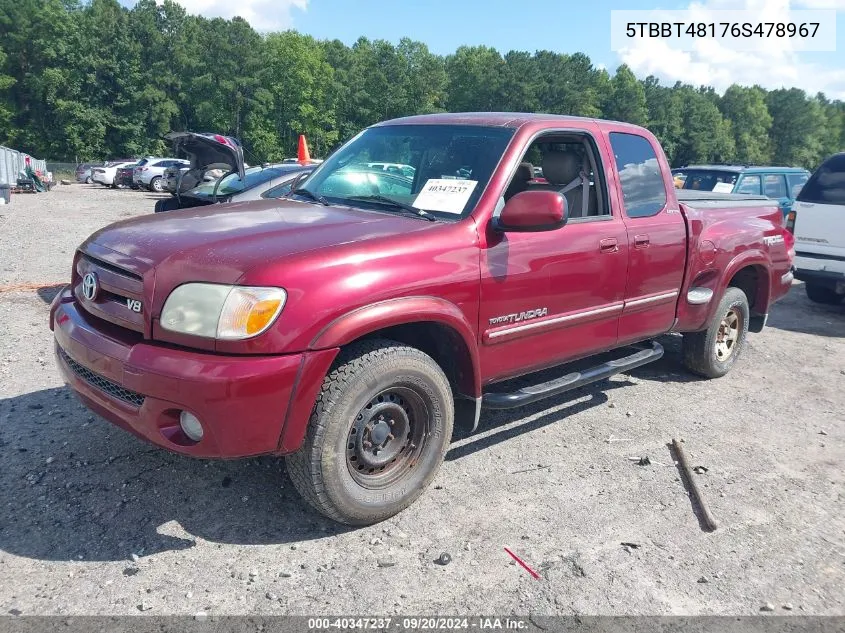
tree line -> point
(98, 80)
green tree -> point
(6, 82)
(707, 136)
(665, 115)
(626, 100)
(476, 78)
(296, 75)
(751, 123)
(798, 128)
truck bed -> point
(705, 199)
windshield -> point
(442, 169)
(253, 177)
(705, 179)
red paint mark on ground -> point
(523, 564)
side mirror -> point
(531, 211)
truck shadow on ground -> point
(73, 487)
(796, 313)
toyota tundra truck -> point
(338, 326)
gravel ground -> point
(93, 521)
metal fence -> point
(13, 162)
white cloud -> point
(263, 15)
(712, 63)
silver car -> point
(269, 181)
(149, 172)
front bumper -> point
(243, 402)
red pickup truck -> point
(337, 326)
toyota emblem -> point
(90, 286)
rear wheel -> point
(377, 435)
(822, 294)
(714, 351)
(156, 184)
(89, 181)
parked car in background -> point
(149, 172)
(779, 183)
(267, 181)
(178, 178)
(123, 177)
(818, 221)
(83, 172)
(393, 168)
(291, 161)
(172, 176)
(105, 175)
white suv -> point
(818, 222)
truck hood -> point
(209, 151)
(220, 243)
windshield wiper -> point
(422, 213)
(302, 191)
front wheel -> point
(377, 435)
(714, 351)
(822, 294)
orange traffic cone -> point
(302, 155)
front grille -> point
(117, 270)
(103, 384)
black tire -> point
(370, 386)
(822, 294)
(705, 352)
(167, 204)
(89, 181)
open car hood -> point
(209, 151)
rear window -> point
(796, 182)
(827, 184)
(643, 191)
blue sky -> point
(553, 25)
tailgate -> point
(820, 229)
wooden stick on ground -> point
(709, 521)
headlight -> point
(224, 312)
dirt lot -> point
(94, 521)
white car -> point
(818, 222)
(105, 175)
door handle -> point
(641, 241)
(608, 245)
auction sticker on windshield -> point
(445, 194)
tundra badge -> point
(522, 316)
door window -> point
(749, 185)
(564, 162)
(643, 190)
(774, 186)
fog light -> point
(190, 426)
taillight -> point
(789, 242)
(790, 222)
